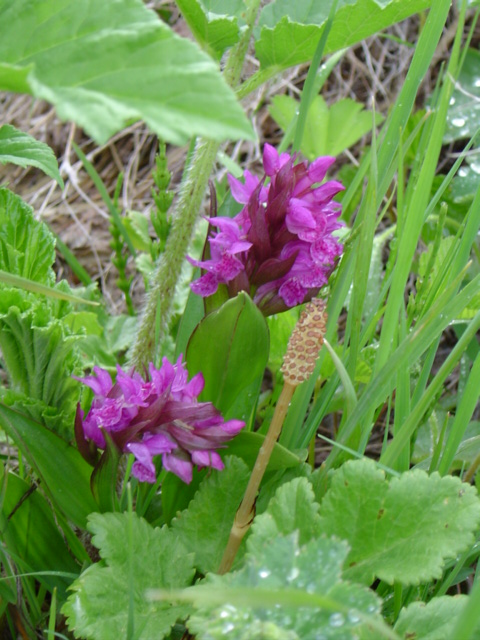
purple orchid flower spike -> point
(159, 415)
(281, 247)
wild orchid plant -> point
(171, 496)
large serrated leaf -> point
(290, 31)
(230, 348)
(402, 530)
(205, 526)
(64, 473)
(136, 557)
(213, 32)
(20, 148)
(106, 64)
(285, 592)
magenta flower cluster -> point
(160, 415)
(280, 248)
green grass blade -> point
(72, 262)
(465, 408)
(416, 201)
(445, 309)
(36, 287)
(408, 428)
(90, 169)
(308, 92)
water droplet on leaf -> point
(336, 620)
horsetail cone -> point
(305, 343)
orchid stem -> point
(246, 510)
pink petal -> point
(299, 218)
(292, 292)
(206, 285)
(181, 468)
(207, 459)
(319, 167)
(143, 474)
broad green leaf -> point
(399, 531)
(204, 527)
(293, 508)
(230, 348)
(135, 557)
(27, 247)
(104, 477)
(328, 130)
(213, 32)
(29, 531)
(246, 445)
(119, 63)
(432, 621)
(64, 474)
(463, 118)
(290, 31)
(286, 591)
(20, 148)
(280, 327)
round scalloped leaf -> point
(402, 530)
(205, 526)
(433, 621)
(136, 557)
(292, 508)
(285, 592)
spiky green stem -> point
(160, 297)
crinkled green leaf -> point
(290, 31)
(286, 592)
(27, 247)
(205, 526)
(328, 130)
(432, 621)
(30, 532)
(292, 508)
(20, 148)
(212, 31)
(402, 530)
(40, 359)
(463, 118)
(106, 64)
(230, 348)
(135, 558)
(64, 473)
